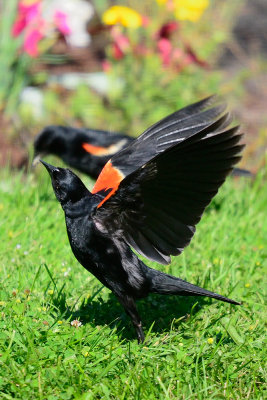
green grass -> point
(196, 348)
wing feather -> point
(157, 206)
(171, 130)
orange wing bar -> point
(95, 150)
(109, 178)
(104, 151)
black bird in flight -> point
(149, 196)
(87, 150)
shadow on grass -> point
(159, 310)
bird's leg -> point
(129, 305)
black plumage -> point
(151, 202)
(69, 144)
(88, 150)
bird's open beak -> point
(36, 159)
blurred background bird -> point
(87, 150)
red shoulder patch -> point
(95, 150)
(104, 151)
(109, 178)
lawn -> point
(195, 348)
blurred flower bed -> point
(105, 65)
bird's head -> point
(51, 140)
(68, 188)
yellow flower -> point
(190, 10)
(18, 301)
(50, 291)
(60, 322)
(123, 16)
(210, 340)
(86, 354)
(28, 2)
(10, 234)
(247, 285)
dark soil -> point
(12, 150)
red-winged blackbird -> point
(87, 150)
(149, 196)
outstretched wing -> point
(156, 207)
(171, 130)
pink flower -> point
(164, 44)
(165, 51)
(179, 58)
(31, 19)
(120, 45)
(26, 14)
(61, 22)
(31, 40)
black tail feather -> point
(167, 284)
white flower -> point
(78, 13)
(76, 323)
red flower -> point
(193, 57)
(167, 30)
